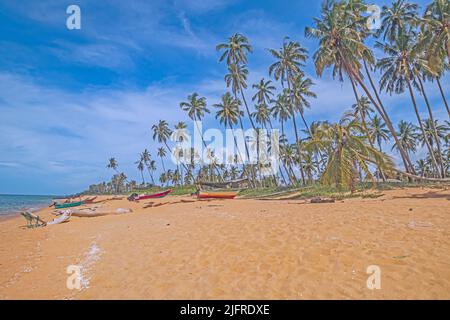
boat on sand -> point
(135, 197)
(217, 195)
(68, 205)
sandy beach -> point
(237, 249)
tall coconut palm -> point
(141, 166)
(162, 132)
(161, 154)
(436, 32)
(301, 91)
(196, 108)
(378, 131)
(289, 62)
(112, 164)
(397, 18)
(228, 114)
(237, 80)
(341, 47)
(407, 133)
(147, 159)
(264, 91)
(398, 71)
(235, 50)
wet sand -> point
(237, 249)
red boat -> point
(90, 200)
(151, 196)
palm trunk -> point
(204, 144)
(247, 109)
(364, 124)
(382, 111)
(297, 141)
(436, 137)
(416, 111)
(443, 95)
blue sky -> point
(70, 99)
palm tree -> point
(161, 154)
(141, 166)
(290, 59)
(396, 19)
(349, 150)
(264, 91)
(423, 168)
(398, 69)
(300, 92)
(235, 50)
(147, 159)
(195, 107)
(436, 31)
(237, 80)
(378, 131)
(112, 164)
(262, 115)
(162, 132)
(228, 114)
(407, 133)
(341, 47)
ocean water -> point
(10, 204)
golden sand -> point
(237, 249)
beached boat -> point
(90, 200)
(150, 196)
(68, 205)
(217, 195)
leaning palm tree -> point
(341, 47)
(399, 69)
(235, 50)
(349, 151)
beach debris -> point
(320, 200)
(419, 225)
(34, 221)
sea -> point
(13, 204)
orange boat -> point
(217, 195)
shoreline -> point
(181, 248)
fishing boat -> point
(135, 197)
(217, 195)
(68, 205)
(90, 200)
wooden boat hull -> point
(68, 205)
(217, 195)
(154, 195)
